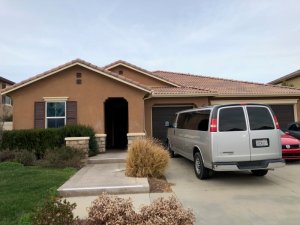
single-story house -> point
(290, 80)
(6, 103)
(123, 102)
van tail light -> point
(213, 125)
(276, 122)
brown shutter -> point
(71, 112)
(39, 115)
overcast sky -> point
(251, 40)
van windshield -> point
(260, 118)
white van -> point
(227, 138)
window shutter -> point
(71, 112)
(39, 115)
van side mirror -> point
(167, 124)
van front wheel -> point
(171, 152)
(259, 173)
(201, 172)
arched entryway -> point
(116, 123)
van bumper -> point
(248, 165)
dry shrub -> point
(146, 158)
(54, 211)
(7, 155)
(166, 211)
(111, 210)
(63, 157)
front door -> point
(116, 123)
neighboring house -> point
(123, 102)
(6, 102)
(291, 80)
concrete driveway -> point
(239, 198)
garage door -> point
(162, 114)
(284, 114)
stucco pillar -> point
(134, 136)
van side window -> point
(232, 119)
(260, 118)
(180, 121)
(197, 120)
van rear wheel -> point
(259, 173)
(201, 172)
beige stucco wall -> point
(139, 77)
(90, 97)
(149, 103)
(295, 82)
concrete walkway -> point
(104, 173)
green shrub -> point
(54, 212)
(40, 140)
(109, 209)
(25, 157)
(7, 155)
(166, 211)
(146, 158)
(64, 157)
(82, 131)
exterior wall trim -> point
(76, 138)
(135, 134)
(100, 135)
(55, 99)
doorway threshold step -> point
(106, 160)
(108, 157)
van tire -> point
(201, 172)
(259, 173)
(171, 152)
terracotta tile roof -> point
(69, 64)
(286, 77)
(127, 64)
(4, 80)
(179, 91)
(226, 87)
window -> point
(181, 120)
(232, 119)
(260, 118)
(55, 114)
(6, 100)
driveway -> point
(238, 198)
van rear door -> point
(231, 141)
(264, 136)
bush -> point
(166, 211)
(64, 157)
(54, 212)
(82, 131)
(40, 140)
(7, 155)
(112, 210)
(146, 158)
(25, 157)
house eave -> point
(67, 67)
(140, 71)
(256, 95)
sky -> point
(250, 40)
